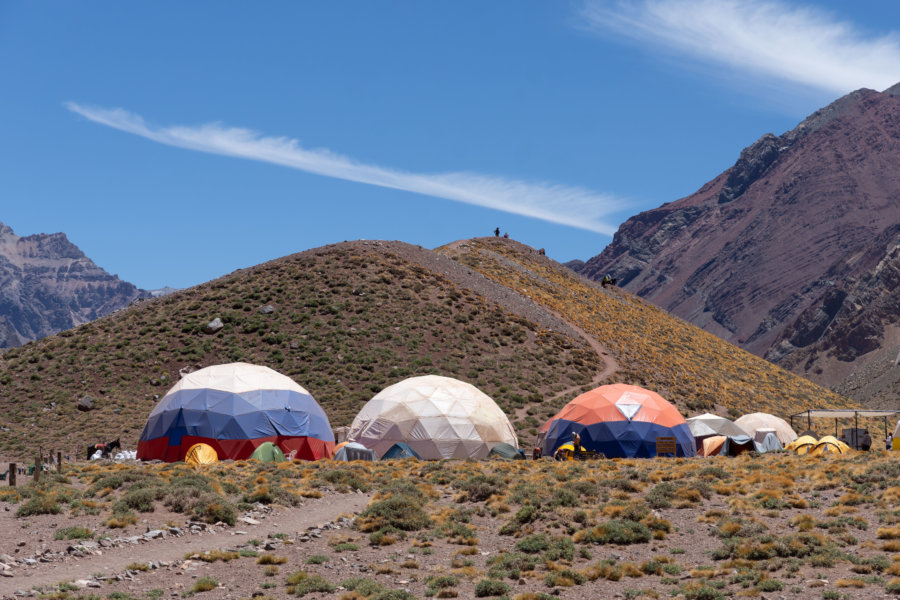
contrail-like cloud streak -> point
(564, 205)
(788, 42)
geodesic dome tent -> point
(619, 421)
(755, 421)
(438, 417)
(708, 424)
(234, 408)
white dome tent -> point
(438, 417)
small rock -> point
(268, 309)
(249, 521)
(214, 326)
(85, 404)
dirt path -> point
(611, 365)
(114, 560)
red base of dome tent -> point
(306, 448)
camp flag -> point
(234, 408)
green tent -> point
(268, 452)
(505, 450)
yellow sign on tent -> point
(201, 454)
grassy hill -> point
(352, 318)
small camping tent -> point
(829, 445)
(201, 454)
(234, 408)
(752, 422)
(619, 421)
(399, 450)
(268, 452)
(712, 445)
(439, 417)
(353, 451)
(802, 445)
(505, 451)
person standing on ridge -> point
(497, 232)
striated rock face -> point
(48, 285)
(789, 254)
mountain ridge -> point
(48, 285)
(798, 215)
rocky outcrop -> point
(48, 285)
(776, 253)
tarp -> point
(201, 454)
(505, 451)
(768, 443)
(268, 452)
(829, 444)
(708, 424)
(439, 417)
(619, 421)
(802, 445)
(399, 450)
(353, 451)
(711, 446)
(750, 423)
(234, 408)
(735, 445)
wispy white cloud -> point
(788, 42)
(564, 205)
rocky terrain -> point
(770, 526)
(48, 285)
(789, 253)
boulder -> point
(85, 404)
(214, 326)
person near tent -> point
(497, 232)
(576, 445)
(536, 453)
(866, 442)
(889, 441)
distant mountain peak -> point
(49, 285)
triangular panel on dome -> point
(601, 418)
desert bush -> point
(204, 584)
(491, 587)
(301, 583)
(616, 531)
(73, 533)
(402, 512)
(510, 565)
(480, 487)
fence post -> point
(37, 469)
(12, 474)
(59, 462)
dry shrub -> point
(803, 522)
(888, 533)
(852, 582)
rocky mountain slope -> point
(789, 253)
(48, 285)
(347, 320)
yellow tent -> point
(803, 444)
(829, 444)
(567, 452)
(201, 454)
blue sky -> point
(176, 142)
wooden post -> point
(59, 462)
(12, 474)
(37, 469)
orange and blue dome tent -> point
(619, 421)
(234, 408)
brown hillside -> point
(352, 318)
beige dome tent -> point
(438, 417)
(752, 422)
